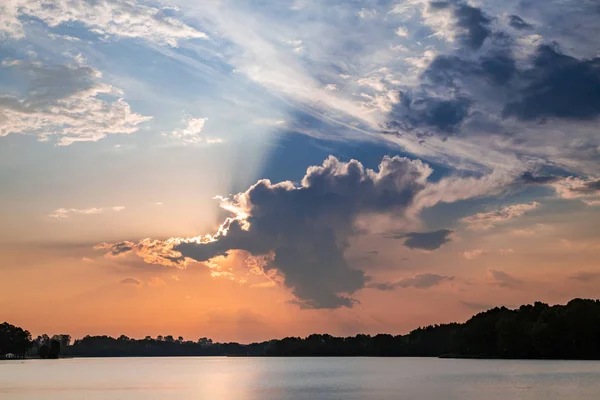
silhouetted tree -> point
(570, 331)
(54, 351)
(14, 340)
(44, 351)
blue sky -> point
(472, 124)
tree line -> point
(537, 331)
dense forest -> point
(571, 331)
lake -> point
(222, 378)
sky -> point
(260, 169)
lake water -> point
(221, 378)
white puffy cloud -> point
(66, 101)
(402, 31)
(116, 18)
(192, 133)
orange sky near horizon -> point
(78, 290)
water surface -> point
(222, 378)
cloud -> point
(528, 177)
(131, 282)
(470, 255)
(63, 213)
(192, 133)
(111, 18)
(558, 86)
(488, 97)
(538, 229)
(472, 24)
(518, 23)
(585, 276)
(424, 240)
(487, 220)
(366, 13)
(419, 281)
(503, 279)
(441, 113)
(305, 226)
(150, 250)
(473, 254)
(402, 31)
(454, 21)
(586, 190)
(477, 306)
(67, 101)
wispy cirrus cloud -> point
(418, 281)
(473, 254)
(64, 213)
(503, 279)
(487, 220)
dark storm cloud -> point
(307, 226)
(454, 90)
(425, 111)
(424, 240)
(558, 86)
(444, 114)
(471, 22)
(496, 68)
(474, 23)
(419, 281)
(518, 23)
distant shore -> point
(531, 332)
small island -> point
(537, 331)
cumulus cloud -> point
(424, 240)
(63, 213)
(418, 281)
(487, 220)
(503, 279)
(192, 133)
(491, 95)
(112, 18)
(305, 226)
(66, 101)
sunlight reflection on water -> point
(222, 378)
